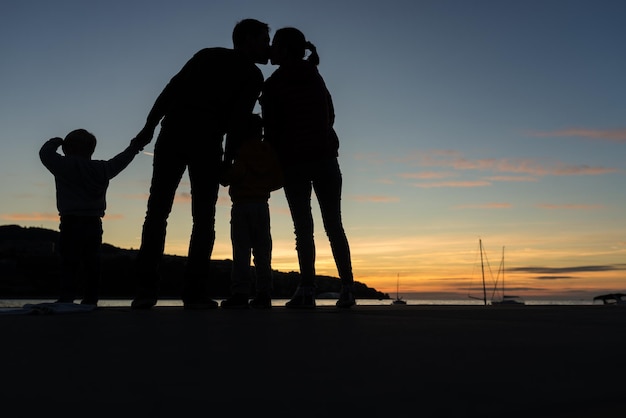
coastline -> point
(279, 302)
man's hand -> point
(143, 138)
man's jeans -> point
(324, 177)
(172, 156)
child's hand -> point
(56, 141)
(137, 144)
(143, 138)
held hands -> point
(143, 138)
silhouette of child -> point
(254, 174)
(81, 185)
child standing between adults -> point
(81, 185)
(254, 174)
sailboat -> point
(398, 300)
(505, 299)
(482, 269)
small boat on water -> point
(495, 300)
(398, 300)
(611, 299)
(505, 299)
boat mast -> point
(482, 268)
(502, 262)
(398, 287)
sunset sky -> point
(458, 120)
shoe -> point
(89, 301)
(262, 301)
(236, 301)
(304, 298)
(199, 305)
(143, 302)
(346, 298)
(146, 295)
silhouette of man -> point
(211, 96)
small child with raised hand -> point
(81, 185)
(254, 174)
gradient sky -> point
(459, 120)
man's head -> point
(80, 143)
(253, 38)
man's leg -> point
(168, 169)
(204, 179)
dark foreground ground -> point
(372, 361)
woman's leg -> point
(298, 193)
(327, 183)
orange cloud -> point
(513, 178)
(181, 197)
(449, 159)
(36, 216)
(512, 165)
(613, 135)
(476, 183)
(426, 175)
(140, 196)
(375, 199)
(385, 181)
(582, 169)
(571, 206)
(493, 205)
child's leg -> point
(69, 250)
(92, 260)
(262, 249)
(240, 237)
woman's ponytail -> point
(313, 57)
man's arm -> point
(165, 100)
(243, 105)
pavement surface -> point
(370, 361)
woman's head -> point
(290, 45)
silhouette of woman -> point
(298, 114)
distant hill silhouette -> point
(29, 269)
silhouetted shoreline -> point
(29, 269)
